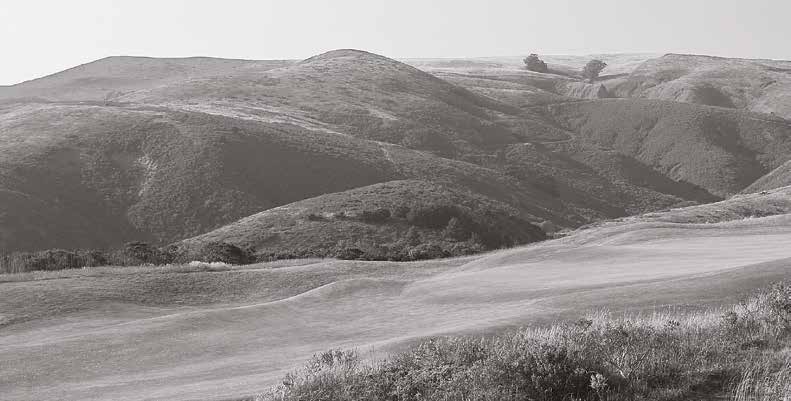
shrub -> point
(401, 212)
(427, 251)
(456, 230)
(374, 216)
(53, 259)
(601, 358)
(141, 253)
(349, 254)
(533, 63)
(412, 237)
(592, 70)
(225, 253)
(434, 216)
(314, 217)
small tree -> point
(593, 69)
(533, 63)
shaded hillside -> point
(721, 151)
(116, 174)
(392, 215)
(755, 85)
(96, 176)
(598, 183)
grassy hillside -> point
(755, 85)
(123, 173)
(735, 350)
(107, 330)
(779, 177)
(352, 92)
(160, 150)
(100, 175)
(718, 150)
(112, 77)
(382, 220)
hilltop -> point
(112, 77)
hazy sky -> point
(41, 37)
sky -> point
(39, 37)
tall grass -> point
(767, 378)
(734, 351)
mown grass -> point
(739, 352)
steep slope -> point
(721, 151)
(756, 85)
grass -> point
(49, 294)
(736, 351)
(321, 225)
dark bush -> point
(54, 259)
(374, 216)
(349, 254)
(465, 248)
(315, 217)
(533, 63)
(401, 212)
(456, 230)
(592, 70)
(434, 216)
(411, 238)
(427, 251)
(141, 253)
(224, 252)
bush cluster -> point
(131, 254)
(601, 358)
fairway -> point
(146, 333)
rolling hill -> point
(317, 226)
(219, 333)
(755, 85)
(721, 151)
(111, 77)
(162, 150)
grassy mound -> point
(397, 220)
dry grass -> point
(663, 356)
